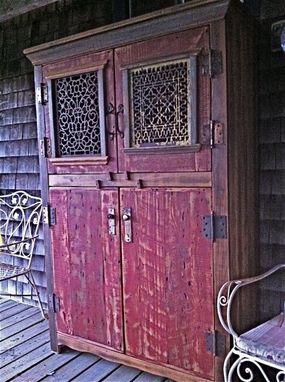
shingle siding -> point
(272, 159)
(19, 167)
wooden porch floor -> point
(25, 354)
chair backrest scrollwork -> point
(20, 217)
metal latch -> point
(127, 219)
(54, 303)
(111, 221)
(215, 343)
(214, 226)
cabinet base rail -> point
(84, 345)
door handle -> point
(111, 221)
(127, 221)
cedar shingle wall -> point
(19, 167)
(272, 159)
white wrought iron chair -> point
(259, 348)
(20, 216)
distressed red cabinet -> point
(148, 153)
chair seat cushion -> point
(8, 271)
(266, 341)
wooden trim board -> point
(85, 345)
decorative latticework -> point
(78, 119)
(160, 111)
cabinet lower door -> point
(86, 261)
(167, 278)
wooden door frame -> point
(45, 197)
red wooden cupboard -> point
(148, 165)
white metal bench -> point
(20, 216)
(257, 349)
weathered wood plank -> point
(162, 291)
(20, 325)
(11, 355)
(146, 377)
(73, 368)
(48, 367)
(123, 373)
(3, 300)
(194, 179)
(17, 339)
(84, 345)
(12, 311)
(97, 372)
(78, 252)
(6, 304)
(23, 363)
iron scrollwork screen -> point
(162, 104)
(79, 114)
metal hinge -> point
(42, 94)
(214, 227)
(45, 147)
(215, 343)
(213, 63)
(54, 303)
(49, 215)
(213, 134)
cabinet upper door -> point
(79, 122)
(163, 103)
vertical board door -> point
(86, 261)
(164, 99)
(168, 278)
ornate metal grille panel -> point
(78, 114)
(160, 110)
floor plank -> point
(97, 372)
(73, 368)
(26, 356)
(3, 301)
(23, 336)
(17, 317)
(10, 312)
(22, 325)
(123, 373)
(146, 377)
(48, 366)
(9, 372)
(5, 304)
(19, 351)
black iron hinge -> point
(215, 343)
(45, 149)
(212, 63)
(213, 134)
(49, 215)
(54, 303)
(214, 226)
(42, 94)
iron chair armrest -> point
(7, 245)
(229, 290)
